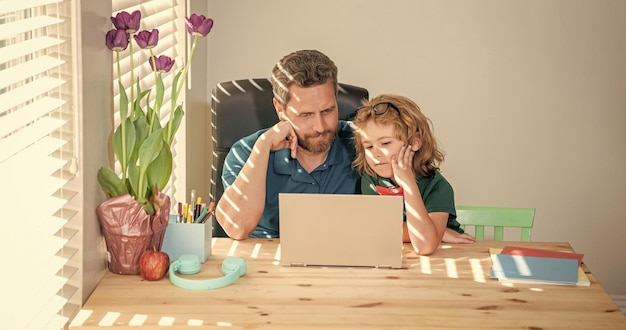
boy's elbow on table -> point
(425, 250)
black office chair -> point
(242, 107)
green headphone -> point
(232, 267)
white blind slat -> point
(52, 204)
(40, 148)
(8, 6)
(48, 320)
(48, 317)
(42, 299)
(16, 119)
(27, 92)
(38, 244)
(30, 186)
(13, 144)
(27, 47)
(38, 124)
(154, 17)
(27, 25)
(28, 69)
(146, 7)
(52, 226)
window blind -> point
(37, 165)
(169, 18)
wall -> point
(197, 117)
(526, 96)
(95, 97)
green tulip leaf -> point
(150, 148)
(123, 100)
(137, 103)
(142, 130)
(149, 208)
(124, 133)
(156, 124)
(177, 118)
(148, 152)
(133, 178)
(175, 88)
(160, 90)
(159, 171)
(110, 182)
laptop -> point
(340, 230)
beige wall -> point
(527, 97)
(95, 98)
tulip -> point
(117, 40)
(147, 39)
(138, 170)
(125, 21)
(198, 25)
(129, 23)
(163, 63)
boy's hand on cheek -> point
(402, 165)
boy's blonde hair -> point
(406, 118)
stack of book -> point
(513, 264)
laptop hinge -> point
(384, 266)
(297, 264)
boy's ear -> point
(416, 143)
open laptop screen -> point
(341, 230)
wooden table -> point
(449, 290)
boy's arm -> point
(425, 230)
(451, 236)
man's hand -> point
(282, 136)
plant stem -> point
(154, 69)
(132, 79)
(181, 83)
(122, 121)
(182, 80)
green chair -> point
(498, 218)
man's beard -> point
(318, 147)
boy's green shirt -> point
(436, 191)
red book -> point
(530, 252)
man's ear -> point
(416, 143)
(280, 110)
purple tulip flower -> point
(163, 63)
(117, 40)
(125, 21)
(147, 39)
(199, 25)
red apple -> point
(153, 264)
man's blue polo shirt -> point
(284, 174)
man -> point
(308, 151)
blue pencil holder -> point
(187, 238)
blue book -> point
(534, 270)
